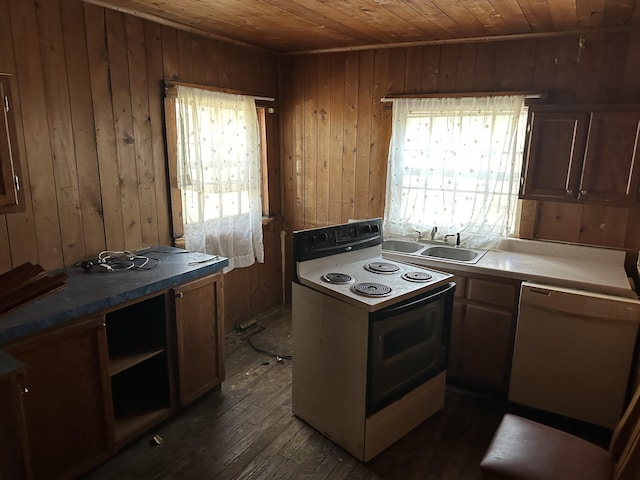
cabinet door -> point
(487, 342)
(611, 172)
(497, 293)
(200, 336)
(8, 156)
(456, 340)
(454, 364)
(67, 408)
(14, 451)
(554, 154)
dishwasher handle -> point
(579, 304)
(585, 317)
(539, 291)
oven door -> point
(408, 345)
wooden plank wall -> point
(90, 112)
(336, 131)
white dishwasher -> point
(573, 352)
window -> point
(454, 164)
(219, 174)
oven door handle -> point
(395, 310)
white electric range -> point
(370, 337)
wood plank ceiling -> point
(308, 25)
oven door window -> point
(417, 334)
(407, 348)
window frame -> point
(171, 138)
(516, 226)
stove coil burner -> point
(369, 289)
(417, 276)
(337, 278)
(381, 267)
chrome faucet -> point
(434, 230)
(457, 235)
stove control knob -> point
(366, 229)
(317, 239)
(375, 228)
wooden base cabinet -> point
(482, 331)
(96, 384)
(67, 408)
(487, 339)
(14, 451)
(200, 336)
(454, 368)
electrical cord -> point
(117, 261)
(157, 260)
(278, 357)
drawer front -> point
(493, 293)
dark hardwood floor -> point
(246, 429)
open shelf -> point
(139, 366)
(141, 394)
(129, 426)
(124, 361)
(140, 327)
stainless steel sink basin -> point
(425, 251)
(459, 254)
(403, 246)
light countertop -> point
(573, 266)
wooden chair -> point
(525, 450)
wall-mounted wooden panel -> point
(90, 117)
(89, 111)
(605, 69)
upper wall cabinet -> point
(10, 196)
(587, 155)
(611, 172)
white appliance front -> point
(573, 352)
(329, 386)
(342, 365)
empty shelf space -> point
(129, 425)
(122, 361)
(141, 394)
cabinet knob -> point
(583, 192)
(24, 390)
(569, 191)
(179, 295)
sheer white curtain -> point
(454, 164)
(219, 174)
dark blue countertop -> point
(90, 292)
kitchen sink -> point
(427, 250)
(404, 246)
(459, 254)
